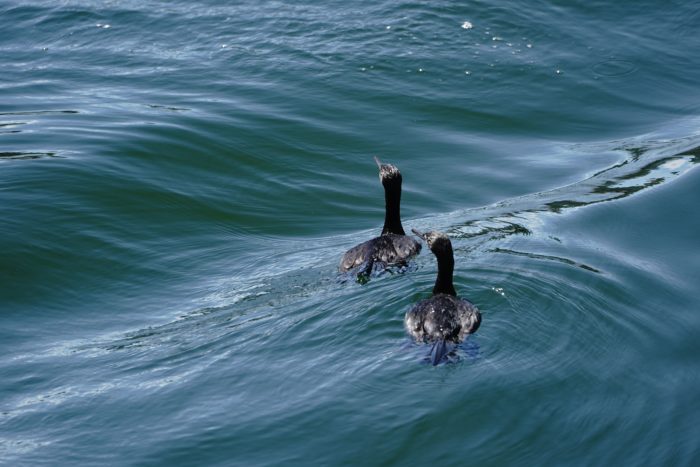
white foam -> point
(674, 164)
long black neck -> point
(392, 217)
(446, 266)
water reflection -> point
(26, 155)
(646, 166)
(545, 257)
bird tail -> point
(438, 351)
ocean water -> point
(178, 182)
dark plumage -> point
(393, 246)
(443, 317)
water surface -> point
(178, 182)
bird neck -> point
(443, 283)
(392, 216)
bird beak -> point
(419, 233)
(379, 163)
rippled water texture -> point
(178, 182)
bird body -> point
(444, 317)
(386, 249)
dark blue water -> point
(178, 182)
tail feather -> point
(438, 351)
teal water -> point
(178, 182)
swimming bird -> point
(443, 317)
(393, 246)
